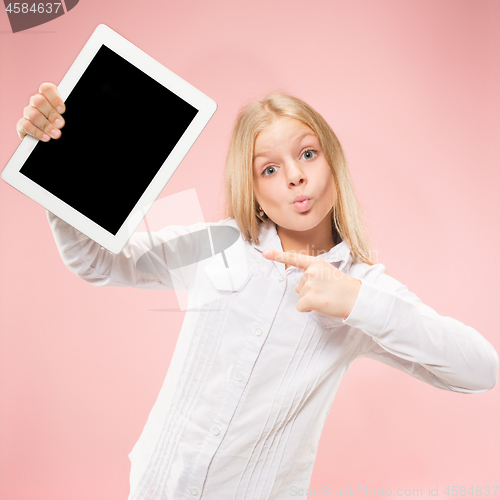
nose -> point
(295, 175)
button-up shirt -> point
(252, 379)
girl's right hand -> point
(42, 118)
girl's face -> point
(288, 167)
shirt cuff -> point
(371, 310)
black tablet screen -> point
(106, 156)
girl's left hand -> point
(322, 288)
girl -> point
(256, 369)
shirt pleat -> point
(300, 398)
(292, 380)
(185, 396)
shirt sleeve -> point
(142, 263)
(410, 336)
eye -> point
(309, 154)
(267, 170)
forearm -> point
(405, 327)
(99, 267)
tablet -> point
(103, 179)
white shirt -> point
(252, 380)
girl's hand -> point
(42, 118)
(322, 288)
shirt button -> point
(280, 278)
(240, 376)
(193, 491)
(216, 431)
(258, 331)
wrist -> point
(352, 296)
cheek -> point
(264, 191)
(331, 188)
(256, 190)
(256, 187)
(328, 182)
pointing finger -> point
(290, 258)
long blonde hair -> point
(240, 201)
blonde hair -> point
(240, 201)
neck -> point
(314, 241)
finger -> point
(42, 104)
(49, 90)
(25, 127)
(40, 121)
(290, 258)
(303, 304)
(300, 284)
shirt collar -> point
(269, 239)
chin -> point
(301, 222)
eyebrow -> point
(295, 139)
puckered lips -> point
(301, 203)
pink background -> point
(411, 89)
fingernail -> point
(60, 109)
(58, 122)
(46, 137)
(55, 133)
